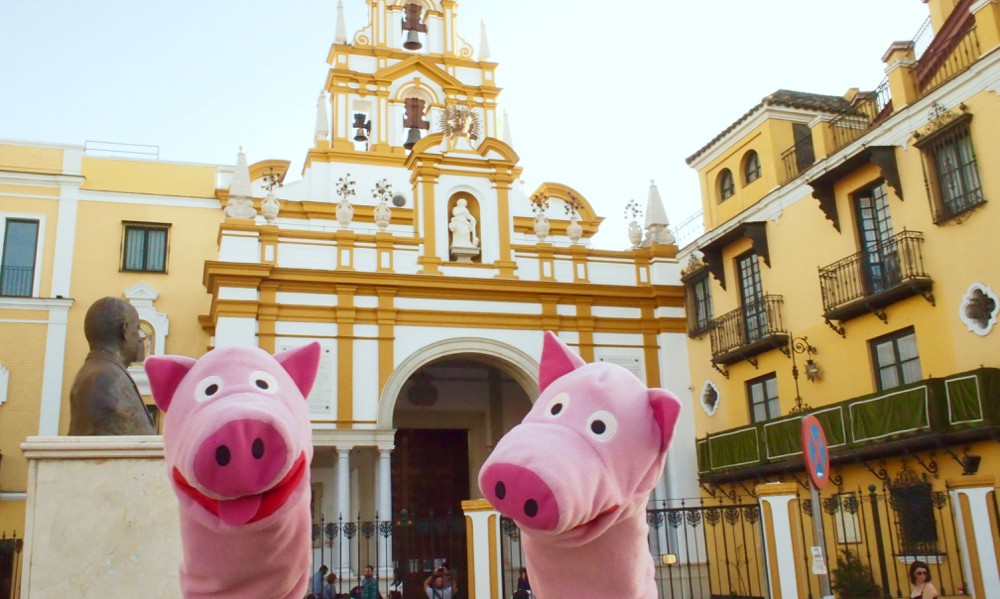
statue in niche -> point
(463, 226)
(104, 399)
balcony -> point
(872, 279)
(751, 329)
(798, 158)
(867, 109)
(933, 413)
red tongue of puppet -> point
(239, 511)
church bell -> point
(412, 138)
(412, 41)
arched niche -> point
(472, 205)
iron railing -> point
(865, 111)
(714, 548)
(16, 281)
(798, 158)
(751, 329)
(403, 551)
(952, 57)
(880, 270)
(880, 531)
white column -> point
(343, 515)
(383, 485)
(485, 567)
(980, 551)
(52, 370)
(774, 507)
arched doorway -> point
(450, 410)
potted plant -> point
(539, 204)
(382, 192)
(572, 207)
(853, 578)
(634, 230)
(345, 189)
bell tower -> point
(394, 78)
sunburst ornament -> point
(460, 121)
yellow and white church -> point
(408, 248)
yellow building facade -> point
(408, 248)
(847, 271)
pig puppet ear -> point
(666, 409)
(302, 364)
(557, 360)
(165, 373)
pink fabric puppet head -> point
(237, 436)
(589, 452)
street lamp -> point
(801, 345)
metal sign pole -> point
(820, 540)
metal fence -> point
(403, 551)
(702, 549)
(872, 538)
(10, 565)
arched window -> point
(727, 187)
(751, 167)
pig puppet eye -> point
(208, 388)
(602, 425)
(264, 381)
(557, 404)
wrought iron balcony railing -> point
(864, 112)
(874, 278)
(952, 410)
(751, 329)
(798, 158)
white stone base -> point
(101, 521)
(463, 253)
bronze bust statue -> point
(104, 399)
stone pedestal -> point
(101, 520)
(464, 253)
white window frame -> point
(39, 246)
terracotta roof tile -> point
(788, 99)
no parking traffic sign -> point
(815, 451)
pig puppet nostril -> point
(500, 490)
(258, 448)
(531, 508)
(222, 455)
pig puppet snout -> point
(241, 457)
(521, 494)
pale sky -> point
(601, 97)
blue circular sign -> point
(815, 451)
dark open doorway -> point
(430, 479)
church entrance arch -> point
(449, 404)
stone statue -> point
(104, 399)
(463, 226)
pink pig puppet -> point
(238, 443)
(576, 474)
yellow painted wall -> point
(769, 139)
(192, 240)
(161, 178)
(22, 353)
(31, 159)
